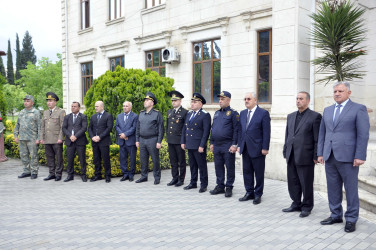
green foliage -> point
(338, 31)
(18, 58)
(10, 71)
(3, 104)
(46, 77)
(113, 88)
(10, 125)
(28, 51)
(2, 68)
(14, 95)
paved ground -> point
(36, 214)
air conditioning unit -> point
(170, 55)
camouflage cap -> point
(29, 97)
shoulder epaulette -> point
(156, 110)
(233, 109)
(204, 111)
(142, 111)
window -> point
(154, 62)
(115, 9)
(85, 14)
(116, 61)
(86, 76)
(264, 65)
(207, 69)
(152, 3)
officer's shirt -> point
(150, 125)
(225, 127)
(28, 125)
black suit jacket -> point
(102, 129)
(79, 127)
(174, 125)
(303, 139)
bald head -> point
(99, 107)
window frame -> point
(269, 53)
(153, 3)
(202, 63)
(160, 61)
(110, 2)
(122, 59)
(85, 77)
(87, 14)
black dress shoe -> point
(228, 192)
(131, 178)
(108, 179)
(69, 178)
(350, 227)
(247, 196)
(180, 183)
(190, 186)
(304, 214)
(257, 200)
(84, 178)
(217, 190)
(291, 209)
(202, 189)
(34, 176)
(23, 175)
(156, 182)
(58, 178)
(125, 177)
(96, 178)
(142, 179)
(50, 177)
(173, 182)
(331, 221)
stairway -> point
(367, 193)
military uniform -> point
(149, 132)
(52, 124)
(174, 126)
(224, 134)
(28, 130)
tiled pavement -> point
(35, 214)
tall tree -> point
(3, 104)
(28, 51)
(2, 69)
(18, 58)
(10, 72)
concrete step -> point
(367, 183)
(367, 200)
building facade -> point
(259, 46)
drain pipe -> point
(66, 53)
(312, 67)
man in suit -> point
(300, 152)
(253, 145)
(194, 137)
(175, 122)
(342, 146)
(74, 128)
(224, 143)
(52, 136)
(125, 125)
(100, 128)
(149, 135)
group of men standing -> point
(339, 138)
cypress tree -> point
(10, 72)
(18, 58)
(2, 69)
(28, 51)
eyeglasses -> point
(247, 99)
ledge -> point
(87, 30)
(115, 21)
(152, 9)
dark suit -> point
(127, 147)
(78, 129)
(174, 125)
(195, 134)
(101, 149)
(252, 140)
(340, 144)
(300, 151)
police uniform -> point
(195, 134)
(224, 134)
(174, 125)
(51, 129)
(149, 132)
(28, 131)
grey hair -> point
(252, 93)
(347, 85)
(127, 102)
(308, 96)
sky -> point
(42, 18)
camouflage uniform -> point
(28, 131)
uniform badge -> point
(228, 113)
(237, 117)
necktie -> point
(125, 118)
(192, 116)
(336, 115)
(50, 112)
(74, 119)
(248, 117)
(99, 117)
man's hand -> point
(73, 138)
(211, 147)
(238, 149)
(59, 141)
(41, 141)
(182, 146)
(358, 162)
(200, 149)
(137, 144)
(16, 140)
(321, 159)
(122, 136)
(232, 149)
(36, 141)
(96, 138)
(158, 146)
(315, 161)
(264, 152)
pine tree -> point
(2, 69)
(18, 58)
(28, 51)
(10, 72)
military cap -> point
(151, 96)
(176, 95)
(29, 97)
(224, 94)
(52, 96)
(198, 97)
